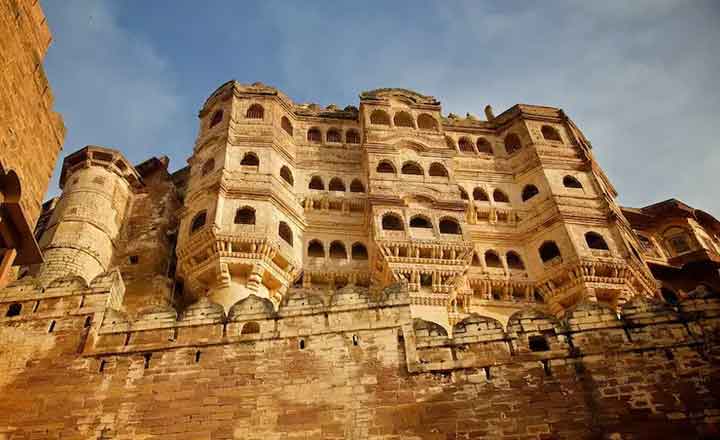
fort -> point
(379, 271)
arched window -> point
(337, 251)
(463, 194)
(245, 216)
(316, 249)
(529, 192)
(285, 233)
(500, 196)
(198, 221)
(403, 119)
(595, 241)
(287, 175)
(357, 187)
(255, 111)
(437, 170)
(352, 137)
(359, 252)
(217, 117)
(549, 251)
(314, 136)
(466, 145)
(426, 122)
(476, 260)
(379, 117)
(333, 135)
(571, 182)
(480, 195)
(450, 142)
(250, 328)
(13, 310)
(316, 183)
(250, 159)
(412, 168)
(385, 167)
(550, 134)
(336, 184)
(514, 261)
(492, 259)
(512, 143)
(208, 167)
(392, 222)
(286, 125)
(420, 221)
(449, 226)
(483, 146)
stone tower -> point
(79, 238)
(241, 226)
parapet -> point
(104, 157)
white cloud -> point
(111, 86)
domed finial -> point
(489, 113)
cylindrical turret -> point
(79, 240)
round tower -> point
(79, 240)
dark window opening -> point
(529, 192)
(492, 259)
(147, 357)
(250, 159)
(514, 261)
(550, 134)
(245, 216)
(426, 122)
(255, 111)
(500, 196)
(549, 251)
(595, 241)
(198, 222)
(286, 125)
(403, 119)
(134, 259)
(480, 195)
(285, 233)
(316, 249)
(52, 326)
(287, 175)
(357, 187)
(14, 310)
(669, 296)
(538, 343)
(337, 251)
(466, 145)
(379, 117)
(391, 222)
(352, 137)
(359, 252)
(333, 135)
(250, 328)
(420, 222)
(385, 167)
(483, 146)
(301, 344)
(316, 183)
(314, 136)
(437, 170)
(512, 143)
(449, 226)
(336, 184)
(412, 168)
(197, 356)
(571, 182)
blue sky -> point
(639, 77)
